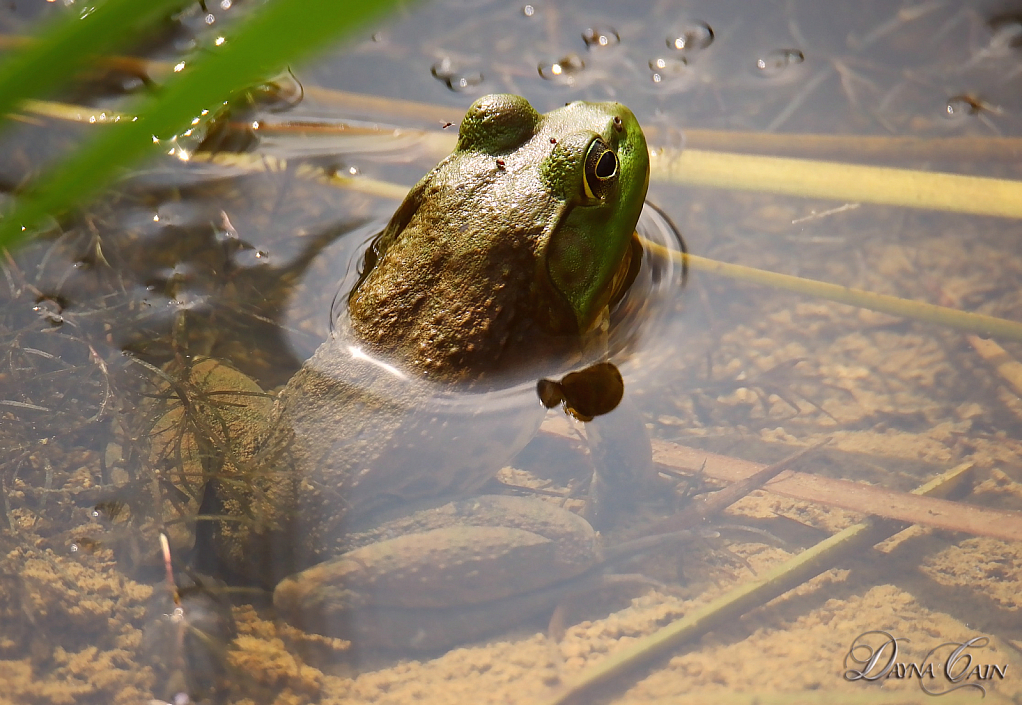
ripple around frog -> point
(639, 327)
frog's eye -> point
(600, 171)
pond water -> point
(243, 260)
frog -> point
(355, 492)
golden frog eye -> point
(600, 171)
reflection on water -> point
(187, 261)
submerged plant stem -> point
(756, 592)
(906, 308)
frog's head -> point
(526, 227)
(593, 162)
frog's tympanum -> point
(355, 488)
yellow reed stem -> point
(857, 148)
(842, 182)
(915, 310)
(72, 113)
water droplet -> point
(563, 70)
(775, 62)
(247, 256)
(74, 548)
(599, 36)
(225, 4)
(668, 69)
(692, 37)
(962, 106)
(454, 76)
(528, 10)
(210, 18)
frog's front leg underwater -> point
(498, 267)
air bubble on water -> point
(961, 106)
(668, 68)
(691, 37)
(600, 36)
(775, 62)
(563, 70)
(454, 77)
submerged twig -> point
(853, 496)
(700, 511)
(756, 592)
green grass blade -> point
(284, 31)
(71, 42)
